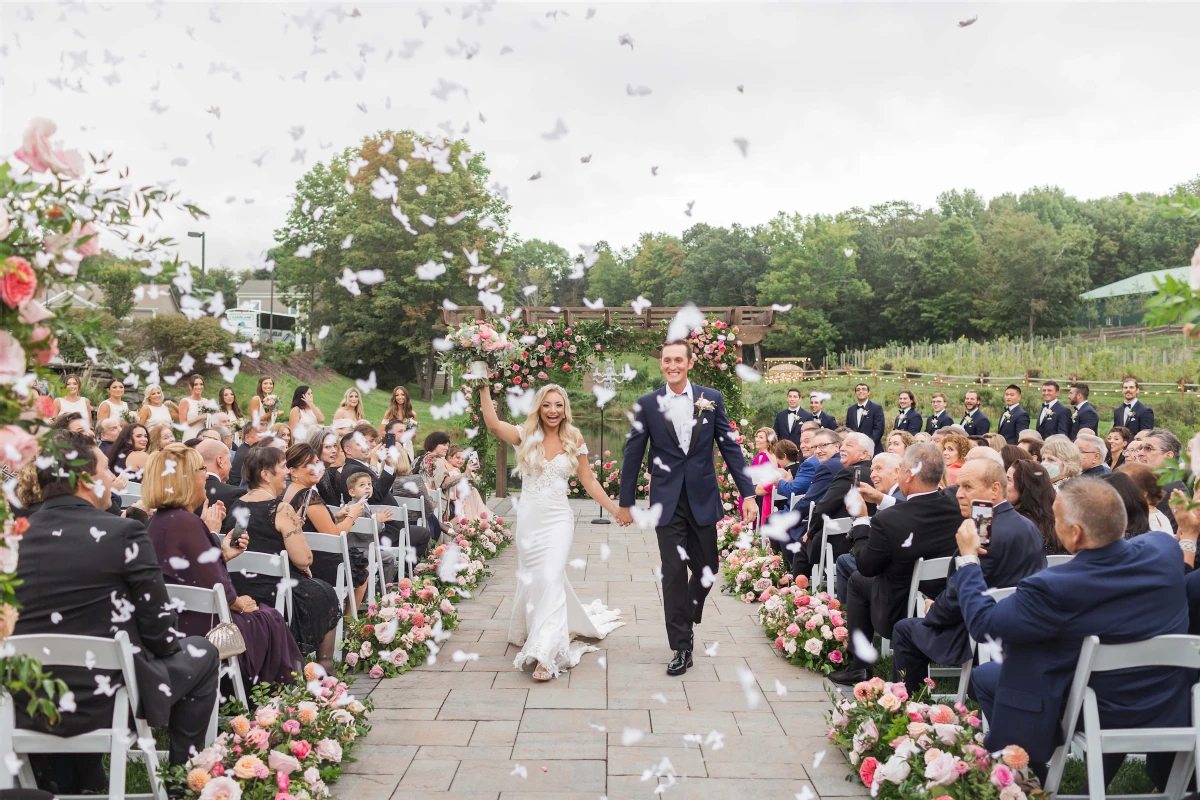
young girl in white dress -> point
(546, 612)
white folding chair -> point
(825, 562)
(275, 565)
(132, 490)
(930, 570)
(407, 506)
(62, 650)
(368, 526)
(338, 545)
(794, 501)
(1054, 561)
(1161, 651)
(212, 602)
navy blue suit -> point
(937, 421)
(1056, 421)
(822, 477)
(1140, 418)
(1015, 553)
(872, 422)
(685, 484)
(1129, 591)
(800, 481)
(1084, 417)
(1012, 422)
(827, 420)
(792, 433)
(908, 420)
(977, 424)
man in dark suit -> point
(1084, 415)
(217, 463)
(1015, 551)
(682, 423)
(866, 416)
(358, 445)
(1120, 590)
(1092, 452)
(923, 526)
(107, 431)
(974, 421)
(85, 572)
(826, 445)
(251, 433)
(855, 459)
(882, 492)
(908, 418)
(788, 422)
(1157, 448)
(940, 418)
(1054, 418)
(1014, 419)
(816, 403)
(1133, 413)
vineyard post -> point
(875, 375)
(905, 378)
(1182, 391)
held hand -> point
(869, 494)
(749, 509)
(232, 548)
(968, 539)
(244, 604)
(623, 517)
(1187, 519)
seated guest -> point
(411, 486)
(459, 486)
(325, 444)
(73, 582)
(217, 465)
(251, 433)
(788, 422)
(1158, 446)
(1144, 478)
(360, 449)
(899, 441)
(1033, 447)
(181, 541)
(1137, 510)
(133, 437)
(984, 454)
(1093, 452)
(954, 452)
(826, 445)
(433, 465)
(803, 474)
(996, 441)
(71, 421)
(358, 493)
(1062, 459)
(279, 435)
(855, 458)
(1032, 494)
(107, 431)
(274, 526)
(923, 526)
(1120, 590)
(1012, 454)
(882, 492)
(787, 456)
(302, 493)
(1118, 439)
(1014, 552)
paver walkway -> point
(461, 729)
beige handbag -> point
(228, 640)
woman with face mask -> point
(1062, 459)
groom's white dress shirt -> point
(679, 414)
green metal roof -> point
(1136, 284)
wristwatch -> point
(962, 561)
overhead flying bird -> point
(966, 23)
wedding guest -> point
(899, 441)
(157, 410)
(954, 453)
(1011, 454)
(764, 441)
(789, 421)
(251, 434)
(1083, 414)
(1137, 510)
(305, 415)
(854, 458)
(1147, 482)
(217, 465)
(433, 462)
(826, 450)
(419, 525)
(1062, 459)
(132, 438)
(359, 486)
(113, 407)
(349, 412)
(400, 408)
(460, 472)
(1093, 452)
(1015, 418)
(1032, 495)
(1120, 590)
(280, 435)
(360, 448)
(274, 526)
(72, 401)
(107, 431)
(1118, 439)
(908, 418)
(803, 474)
(940, 418)
(182, 542)
(787, 456)
(922, 438)
(329, 450)
(996, 441)
(816, 405)
(1033, 447)
(1054, 418)
(807, 431)
(306, 470)
(157, 438)
(1159, 446)
(71, 421)
(194, 409)
(866, 416)
(974, 421)
(882, 492)
(264, 406)
(1133, 413)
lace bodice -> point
(554, 479)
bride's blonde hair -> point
(532, 451)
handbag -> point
(227, 638)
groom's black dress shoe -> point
(680, 663)
(849, 677)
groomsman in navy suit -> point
(974, 420)
(866, 416)
(788, 422)
(908, 419)
(1014, 419)
(816, 402)
(1084, 416)
(1133, 413)
(1054, 418)
(940, 418)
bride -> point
(546, 613)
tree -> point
(656, 266)
(118, 283)
(938, 296)
(609, 278)
(545, 266)
(722, 267)
(227, 282)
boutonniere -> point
(1006, 417)
(1075, 415)
(704, 404)
(1049, 414)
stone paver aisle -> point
(460, 729)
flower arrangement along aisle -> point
(399, 631)
(476, 349)
(750, 573)
(293, 747)
(905, 748)
(809, 629)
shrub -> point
(166, 339)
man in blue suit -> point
(816, 403)
(682, 423)
(825, 445)
(1015, 552)
(866, 416)
(1014, 419)
(940, 418)
(974, 421)
(1133, 413)
(1054, 418)
(908, 418)
(789, 421)
(1084, 416)
(807, 467)
(1120, 590)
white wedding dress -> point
(546, 612)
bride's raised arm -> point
(506, 431)
(587, 478)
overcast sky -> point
(844, 104)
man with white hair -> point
(976, 453)
(1029, 434)
(107, 431)
(1092, 452)
(856, 451)
(882, 492)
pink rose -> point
(446, 607)
(1001, 776)
(282, 762)
(941, 769)
(19, 282)
(351, 659)
(835, 656)
(793, 630)
(12, 358)
(48, 350)
(17, 448)
(258, 738)
(37, 151)
(376, 671)
(291, 726)
(329, 750)
(301, 749)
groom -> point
(682, 423)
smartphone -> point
(857, 477)
(981, 512)
(389, 440)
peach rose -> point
(19, 282)
(37, 151)
(889, 702)
(266, 716)
(246, 767)
(197, 779)
(240, 725)
(306, 712)
(222, 789)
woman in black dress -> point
(132, 438)
(181, 539)
(328, 447)
(274, 526)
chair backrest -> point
(926, 569)
(365, 525)
(411, 504)
(794, 501)
(92, 652)
(325, 542)
(196, 598)
(1053, 561)
(272, 564)
(835, 527)
(1001, 592)
(132, 489)
(811, 505)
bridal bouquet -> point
(270, 404)
(477, 350)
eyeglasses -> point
(821, 445)
(1149, 448)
